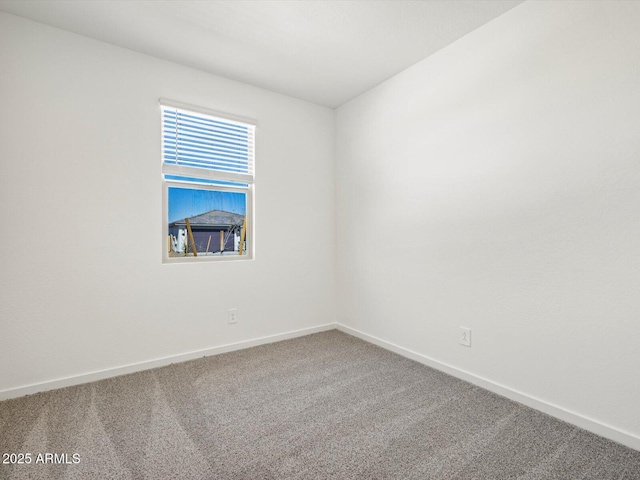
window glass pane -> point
(216, 219)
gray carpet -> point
(323, 406)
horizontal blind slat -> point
(207, 163)
(197, 118)
(207, 145)
(186, 139)
(201, 130)
(203, 149)
(206, 125)
(206, 136)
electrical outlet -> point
(232, 315)
(465, 336)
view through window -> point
(207, 165)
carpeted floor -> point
(323, 406)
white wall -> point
(83, 287)
(496, 185)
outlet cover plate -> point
(465, 336)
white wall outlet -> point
(465, 336)
(232, 315)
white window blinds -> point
(197, 144)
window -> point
(207, 166)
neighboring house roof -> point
(213, 218)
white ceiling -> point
(322, 51)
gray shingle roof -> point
(213, 218)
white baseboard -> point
(599, 428)
(158, 362)
(589, 424)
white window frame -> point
(168, 169)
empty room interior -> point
(320, 239)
